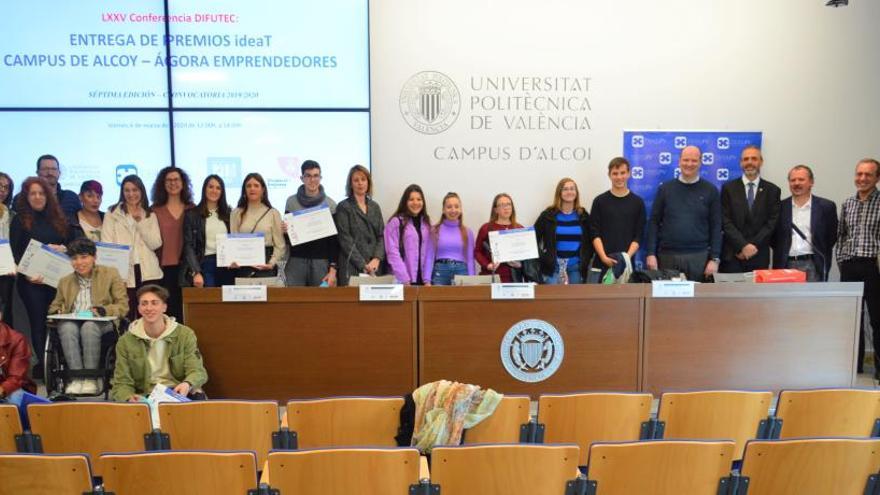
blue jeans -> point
(215, 276)
(446, 270)
(15, 398)
(572, 269)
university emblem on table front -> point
(430, 102)
(532, 351)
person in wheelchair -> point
(157, 350)
(91, 290)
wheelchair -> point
(57, 374)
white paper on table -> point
(244, 293)
(7, 262)
(513, 291)
(77, 317)
(39, 259)
(310, 224)
(115, 256)
(513, 245)
(669, 288)
(244, 249)
(381, 292)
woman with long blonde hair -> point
(452, 244)
(563, 233)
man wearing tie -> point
(749, 211)
(807, 228)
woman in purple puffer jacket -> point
(407, 235)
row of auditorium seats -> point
(839, 466)
(581, 419)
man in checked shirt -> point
(858, 244)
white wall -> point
(805, 74)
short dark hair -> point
(871, 160)
(47, 157)
(617, 162)
(92, 185)
(158, 290)
(81, 245)
(801, 167)
(308, 165)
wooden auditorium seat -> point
(822, 466)
(714, 415)
(343, 471)
(503, 426)
(828, 412)
(192, 473)
(42, 474)
(221, 425)
(345, 421)
(90, 427)
(593, 417)
(10, 425)
(660, 467)
(504, 469)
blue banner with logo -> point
(653, 158)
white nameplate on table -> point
(310, 224)
(7, 262)
(113, 255)
(513, 245)
(79, 317)
(244, 249)
(669, 288)
(245, 293)
(513, 291)
(39, 259)
(381, 292)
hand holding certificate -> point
(310, 224)
(39, 260)
(513, 245)
(113, 255)
(241, 249)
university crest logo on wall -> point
(532, 351)
(430, 102)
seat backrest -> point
(193, 473)
(828, 412)
(10, 425)
(660, 467)
(90, 427)
(39, 474)
(806, 466)
(502, 469)
(714, 415)
(593, 417)
(221, 425)
(503, 425)
(345, 421)
(365, 471)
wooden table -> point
(305, 342)
(461, 331)
(753, 336)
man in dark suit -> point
(749, 211)
(816, 218)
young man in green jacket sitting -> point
(156, 350)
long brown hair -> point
(138, 183)
(53, 211)
(493, 216)
(222, 206)
(243, 200)
(461, 228)
(557, 198)
(160, 195)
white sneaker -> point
(74, 387)
(89, 387)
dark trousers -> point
(7, 284)
(37, 298)
(693, 265)
(215, 276)
(760, 261)
(865, 270)
(171, 281)
(132, 294)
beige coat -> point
(143, 237)
(269, 225)
(108, 292)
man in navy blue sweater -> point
(684, 233)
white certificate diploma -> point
(39, 259)
(113, 255)
(244, 249)
(513, 245)
(310, 224)
(7, 262)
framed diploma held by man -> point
(113, 255)
(41, 260)
(513, 245)
(310, 224)
(243, 249)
